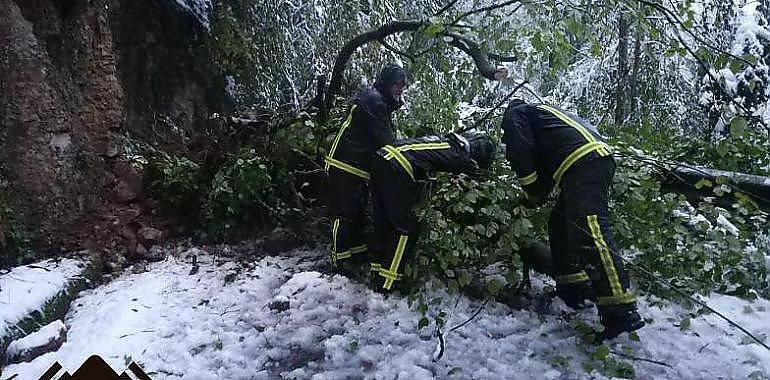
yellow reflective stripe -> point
(343, 255)
(335, 228)
(529, 179)
(616, 300)
(581, 276)
(420, 146)
(569, 121)
(337, 139)
(401, 159)
(347, 168)
(606, 257)
(374, 267)
(573, 157)
(389, 275)
(396, 261)
(604, 151)
(359, 248)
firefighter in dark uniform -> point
(396, 174)
(551, 150)
(367, 127)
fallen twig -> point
(134, 333)
(478, 311)
(632, 357)
(38, 267)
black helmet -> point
(482, 148)
(389, 75)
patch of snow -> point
(200, 9)
(699, 219)
(45, 335)
(727, 226)
(179, 326)
(27, 288)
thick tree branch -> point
(500, 58)
(484, 9)
(481, 60)
(386, 45)
(350, 47)
(446, 7)
(470, 47)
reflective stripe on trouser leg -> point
(573, 278)
(391, 274)
(618, 295)
(335, 227)
(346, 253)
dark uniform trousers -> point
(581, 240)
(397, 229)
(349, 198)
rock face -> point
(76, 78)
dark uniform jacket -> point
(419, 157)
(543, 142)
(367, 128)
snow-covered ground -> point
(281, 319)
(26, 288)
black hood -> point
(390, 74)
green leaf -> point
(723, 148)
(601, 353)
(738, 126)
(736, 65)
(433, 30)
(703, 183)
(494, 287)
(596, 49)
(722, 180)
(424, 322)
(685, 324)
(633, 336)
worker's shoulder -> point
(370, 99)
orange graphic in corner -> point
(95, 368)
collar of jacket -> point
(393, 104)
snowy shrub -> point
(241, 195)
(471, 223)
(698, 249)
(176, 183)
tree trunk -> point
(633, 80)
(683, 178)
(622, 70)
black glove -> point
(533, 201)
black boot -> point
(575, 294)
(617, 320)
(355, 268)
